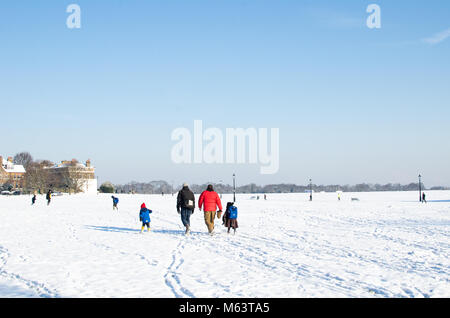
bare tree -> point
(73, 179)
(23, 158)
(37, 177)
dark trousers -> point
(186, 216)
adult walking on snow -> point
(424, 198)
(186, 206)
(115, 202)
(209, 200)
(49, 197)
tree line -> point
(159, 187)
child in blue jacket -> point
(144, 217)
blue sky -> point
(353, 104)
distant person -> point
(230, 217)
(265, 197)
(33, 199)
(209, 200)
(49, 197)
(186, 206)
(144, 217)
(423, 198)
(115, 202)
(339, 197)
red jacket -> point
(209, 200)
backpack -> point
(232, 212)
(186, 199)
(116, 200)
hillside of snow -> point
(384, 245)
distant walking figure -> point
(115, 202)
(186, 206)
(49, 196)
(209, 200)
(423, 198)
(33, 199)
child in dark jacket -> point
(229, 220)
(144, 217)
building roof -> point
(69, 164)
(11, 167)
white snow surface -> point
(387, 244)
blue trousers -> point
(186, 216)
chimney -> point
(10, 159)
(88, 163)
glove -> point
(219, 214)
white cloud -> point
(438, 37)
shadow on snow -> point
(130, 230)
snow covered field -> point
(385, 245)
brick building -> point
(11, 173)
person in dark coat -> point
(49, 196)
(423, 198)
(33, 199)
(225, 215)
(186, 206)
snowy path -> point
(385, 245)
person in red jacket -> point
(209, 200)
